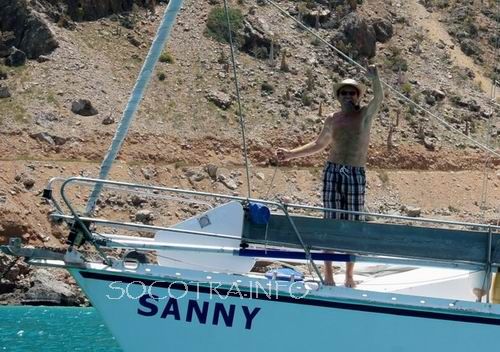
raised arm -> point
(378, 93)
(324, 139)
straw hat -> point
(349, 82)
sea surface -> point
(47, 329)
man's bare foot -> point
(329, 282)
(349, 282)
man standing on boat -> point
(348, 133)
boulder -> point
(459, 101)
(11, 270)
(16, 58)
(4, 92)
(114, 199)
(31, 33)
(12, 224)
(6, 287)
(197, 177)
(65, 12)
(38, 39)
(43, 137)
(355, 31)
(211, 170)
(383, 29)
(45, 118)
(149, 172)
(46, 137)
(59, 140)
(133, 40)
(487, 114)
(220, 99)
(137, 201)
(470, 47)
(91, 10)
(47, 289)
(260, 176)
(144, 216)
(494, 40)
(228, 182)
(430, 99)
(413, 212)
(316, 16)
(257, 39)
(7, 41)
(43, 58)
(108, 120)
(433, 95)
(438, 94)
(83, 107)
(472, 105)
(429, 144)
(28, 182)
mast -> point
(136, 96)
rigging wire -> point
(489, 130)
(271, 184)
(240, 114)
(394, 90)
(272, 181)
(430, 281)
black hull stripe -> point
(302, 301)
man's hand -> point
(283, 154)
(378, 93)
(372, 72)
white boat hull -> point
(194, 315)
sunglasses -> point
(348, 92)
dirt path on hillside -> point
(436, 31)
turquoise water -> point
(48, 329)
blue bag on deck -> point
(259, 213)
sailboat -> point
(201, 290)
(193, 285)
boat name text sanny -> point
(196, 310)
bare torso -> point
(350, 138)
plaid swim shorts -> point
(344, 189)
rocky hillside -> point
(69, 66)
